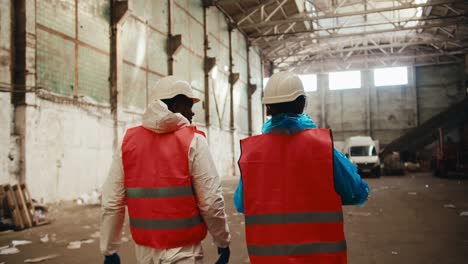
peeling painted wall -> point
(67, 126)
(6, 109)
(68, 150)
(68, 139)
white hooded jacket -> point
(205, 179)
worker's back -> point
(293, 214)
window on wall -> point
(309, 81)
(391, 76)
(344, 80)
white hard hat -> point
(170, 86)
(282, 87)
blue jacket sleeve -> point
(348, 184)
(239, 197)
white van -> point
(362, 151)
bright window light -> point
(391, 76)
(344, 80)
(309, 81)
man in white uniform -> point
(164, 173)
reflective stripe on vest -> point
(297, 249)
(294, 218)
(163, 224)
(177, 191)
(291, 206)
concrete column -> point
(322, 87)
(413, 89)
(119, 11)
(367, 82)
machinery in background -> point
(392, 164)
(451, 157)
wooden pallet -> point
(20, 206)
(25, 204)
(13, 208)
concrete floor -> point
(404, 221)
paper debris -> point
(394, 253)
(74, 245)
(449, 206)
(96, 234)
(87, 241)
(427, 186)
(464, 213)
(360, 213)
(40, 259)
(93, 198)
(9, 251)
(45, 238)
(20, 242)
(124, 239)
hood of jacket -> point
(159, 119)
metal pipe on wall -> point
(249, 93)
(206, 73)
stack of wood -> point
(16, 203)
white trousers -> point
(183, 255)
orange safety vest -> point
(292, 212)
(159, 194)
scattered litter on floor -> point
(87, 241)
(45, 238)
(427, 185)
(87, 227)
(8, 250)
(394, 253)
(359, 213)
(449, 206)
(412, 193)
(236, 214)
(40, 213)
(96, 234)
(20, 242)
(74, 245)
(242, 223)
(93, 198)
(124, 239)
(40, 259)
(464, 213)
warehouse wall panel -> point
(93, 74)
(6, 109)
(55, 63)
(438, 88)
(69, 129)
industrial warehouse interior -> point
(388, 78)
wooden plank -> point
(23, 209)
(13, 207)
(28, 201)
